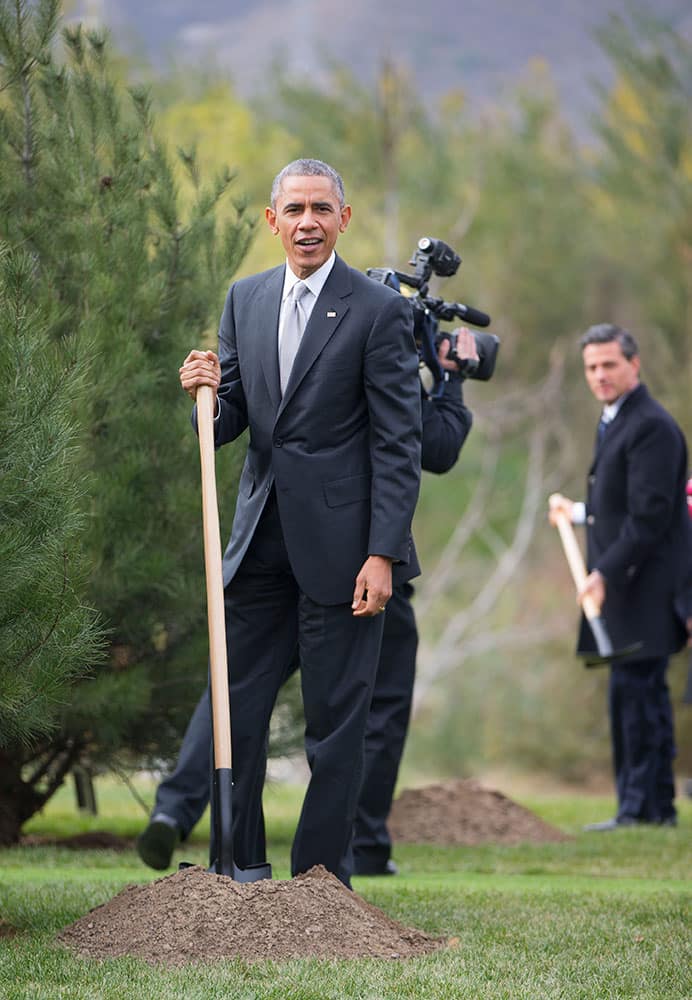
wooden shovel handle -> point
(574, 557)
(220, 701)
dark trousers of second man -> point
(641, 725)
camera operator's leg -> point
(182, 797)
(386, 735)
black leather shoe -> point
(368, 868)
(617, 823)
(156, 844)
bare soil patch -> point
(99, 840)
(194, 915)
(463, 811)
(7, 930)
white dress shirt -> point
(315, 282)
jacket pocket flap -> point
(348, 490)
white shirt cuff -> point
(578, 512)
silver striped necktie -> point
(293, 327)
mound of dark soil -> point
(196, 916)
(463, 811)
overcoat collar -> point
(637, 395)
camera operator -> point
(182, 797)
(446, 424)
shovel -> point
(592, 612)
(222, 789)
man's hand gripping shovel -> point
(222, 791)
(592, 611)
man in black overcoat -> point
(639, 545)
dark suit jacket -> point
(342, 446)
(638, 529)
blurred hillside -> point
(479, 47)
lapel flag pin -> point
(331, 315)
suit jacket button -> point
(591, 519)
(592, 480)
(278, 442)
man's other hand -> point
(373, 587)
(594, 587)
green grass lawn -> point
(600, 916)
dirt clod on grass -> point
(463, 811)
(194, 915)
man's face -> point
(608, 372)
(308, 218)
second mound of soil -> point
(196, 916)
(465, 812)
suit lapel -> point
(615, 428)
(328, 312)
(267, 331)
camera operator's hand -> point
(458, 346)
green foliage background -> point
(137, 241)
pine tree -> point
(128, 285)
(645, 173)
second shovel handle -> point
(575, 561)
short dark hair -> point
(308, 168)
(606, 333)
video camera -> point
(435, 257)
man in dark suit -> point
(639, 542)
(319, 362)
(183, 795)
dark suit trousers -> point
(386, 730)
(266, 615)
(184, 794)
(641, 720)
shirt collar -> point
(315, 281)
(611, 411)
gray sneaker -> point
(617, 823)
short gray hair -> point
(606, 333)
(308, 168)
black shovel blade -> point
(595, 660)
(606, 654)
(254, 873)
(224, 864)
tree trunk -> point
(18, 799)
